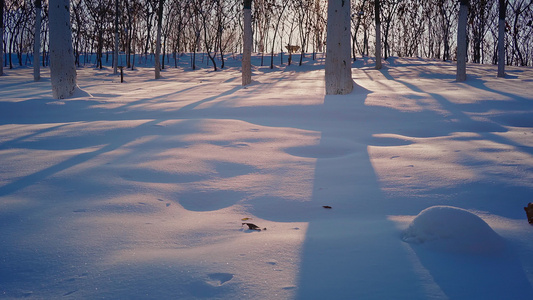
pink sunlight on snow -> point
(139, 190)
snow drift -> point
(453, 229)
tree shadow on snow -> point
(475, 276)
(353, 251)
(357, 227)
(349, 251)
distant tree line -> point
(423, 28)
(426, 28)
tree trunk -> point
(37, 41)
(147, 47)
(164, 52)
(207, 43)
(45, 37)
(158, 40)
(1, 37)
(275, 33)
(446, 54)
(516, 30)
(99, 50)
(501, 39)
(62, 66)
(247, 44)
(354, 37)
(461, 41)
(338, 64)
(365, 43)
(377, 8)
(115, 52)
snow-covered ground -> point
(138, 190)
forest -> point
(409, 28)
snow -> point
(138, 190)
(448, 228)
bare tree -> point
(196, 32)
(214, 27)
(100, 14)
(178, 29)
(149, 16)
(158, 39)
(1, 37)
(411, 24)
(359, 13)
(388, 11)
(225, 28)
(37, 41)
(304, 16)
(319, 27)
(62, 67)
(519, 7)
(247, 43)
(78, 26)
(261, 23)
(501, 37)
(446, 20)
(16, 18)
(115, 51)
(292, 28)
(338, 64)
(461, 40)
(478, 18)
(208, 29)
(276, 27)
(45, 33)
(377, 12)
(366, 22)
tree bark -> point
(461, 41)
(115, 52)
(501, 38)
(338, 64)
(377, 8)
(62, 66)
(247, 44)
(37, 41)
(158, 40)
(1, 37)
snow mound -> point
(452, 229)
(81, 93)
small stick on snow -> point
(252, 226)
